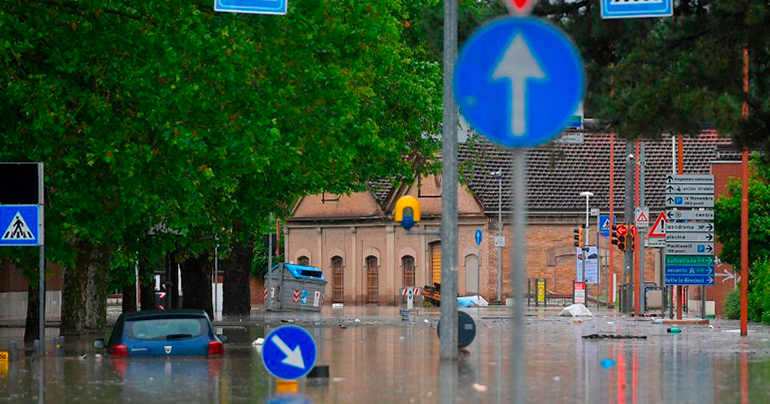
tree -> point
(166, 115)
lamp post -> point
(499, 176)
(584, 241)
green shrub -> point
(759, 292)
(731, 308)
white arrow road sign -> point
(689, 227)
(689, 179)
(688, 237)
(518, 65)
(690, 214)
(293, 357)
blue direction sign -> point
(477, 236)
(19, 224)
(289, 352)
(519, 81)
(251, 6)
(689, 270)
(689, 280)
(637, 8)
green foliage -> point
(731, 306)
(759, 292)
(728, 216)
(163, 124)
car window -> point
(166, 328)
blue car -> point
(163, 333)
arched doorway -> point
(435, 262)
(372, 280)
(338, 280)
(471, 274)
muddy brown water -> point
(384, 360)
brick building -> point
(367, 257)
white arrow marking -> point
(518, 65)
(726, 274)
(293, 357)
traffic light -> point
(622, 231)
(632, 236)
(614, 234)
(407, 211)
(578, 236)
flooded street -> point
(381, 359)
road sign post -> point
(518, 82)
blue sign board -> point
(477, 236)
(689, 270)
(289, 352)
(251, 6)
(637, 8)
(19, 224)
(518, 81)
(689, 280)
(604, 225)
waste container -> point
(294, 287)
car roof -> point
(150, 314)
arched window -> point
(304, 261)
(372, 280)
(407, 266)
(338, 279)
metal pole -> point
(216, 273)
(499, 234)
(599, 267)
(637, 267)
(628, 214)
(448, 348)
(268, 298)
(41, 248)
(610, 267)
(745, 207)
(679, 290)
(519, 272)
(640, 234)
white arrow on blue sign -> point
(289, 352)
(477, 236)
(637, 8)
(251, 6)
(518, 81)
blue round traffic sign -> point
(519, 81)
(289, 352)
(478, 236)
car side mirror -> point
(98, 343)
(222, 338)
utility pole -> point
(640, 234)
(499, 176)
(628, 214)
(448, 348)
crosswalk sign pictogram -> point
(20, 225)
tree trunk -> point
(237, 268)
(129, 298)
(96, 288)
(196, 284)
(73, 305)
(173, 288)
(32, 326)
(146, 289)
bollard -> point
(59, 341)
(14, 353)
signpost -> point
(604, 225)
(613, 9)
(690, 238)
(642, 217)
(579, 294)
(518, 82)
(251, 6)
(22, 221)
(478, 236)
(289, 352)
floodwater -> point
(381, 360)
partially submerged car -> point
(163, 333)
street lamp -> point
(499, 176)
(584, 242)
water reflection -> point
(401, 365)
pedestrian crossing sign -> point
(19, 224)
(605, 225)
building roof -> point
(557, 173)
